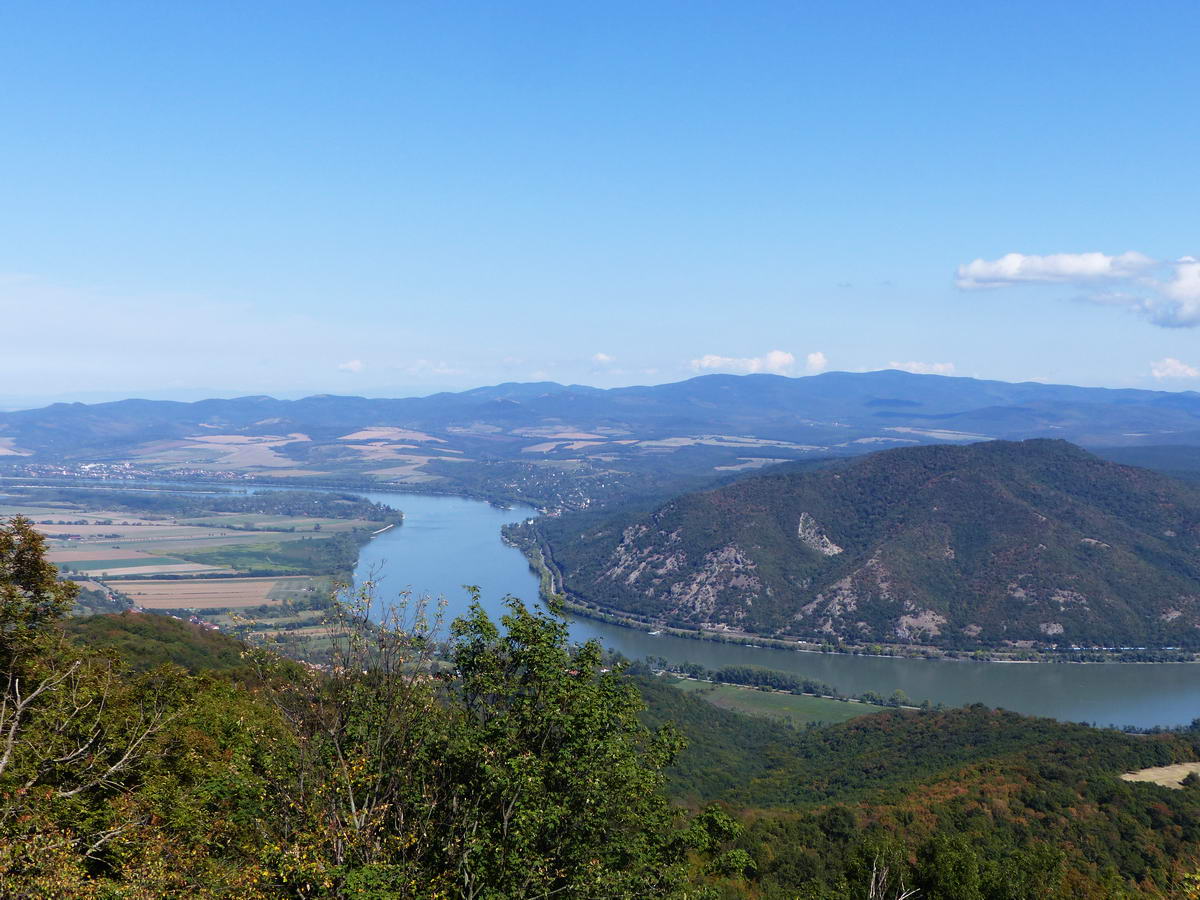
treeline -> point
(773, 679)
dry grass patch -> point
(412, 469)
(746, 462)
(266, 439)
(307, 631)
(70, 556)
(136, 530)
(1167, 776)
(222, 450)
(202, 593)
(116, 562)
(382, 451)
(182, 568)
(552, 431)
(389, 433)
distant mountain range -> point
(988, 544)
(819, 409)
(549, 432)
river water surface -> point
(448, 542)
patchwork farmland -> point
(115, 561)
(260, 564)
(212, 593)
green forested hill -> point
(966, 804)
(146, 640)
(981, 545)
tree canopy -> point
(506, 763)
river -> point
(448, 542)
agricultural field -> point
(146, 532)
(284, 618)
(114, 561)
(143, 548)
(196, 548)
(263, 564)
(796, 708)
(261, 522)
(207, 594)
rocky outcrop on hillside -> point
(990, 544)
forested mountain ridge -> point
(988, 544)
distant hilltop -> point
(993, 544)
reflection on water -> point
(448, 542)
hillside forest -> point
(141, 757)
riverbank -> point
(553, 592)
(448, 541)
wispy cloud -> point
(1170, 367)
(776, 362)
(1165, 292)
(924, 368)
(603, 359)
(352, 365)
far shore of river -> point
(551, 591)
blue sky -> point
(392, 198)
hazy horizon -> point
(14, 404)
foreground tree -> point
(504, 763)
(114, 783)
(565, 784)
(515, 768)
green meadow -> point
(799, 709)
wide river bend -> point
(448, 542)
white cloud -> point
(924, 368)
(816, 362)
(1182, 292)
(1167, 293)
(353, 365)
(776, 362)
(603, 359)
(1170, 367)
(1016, 268)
